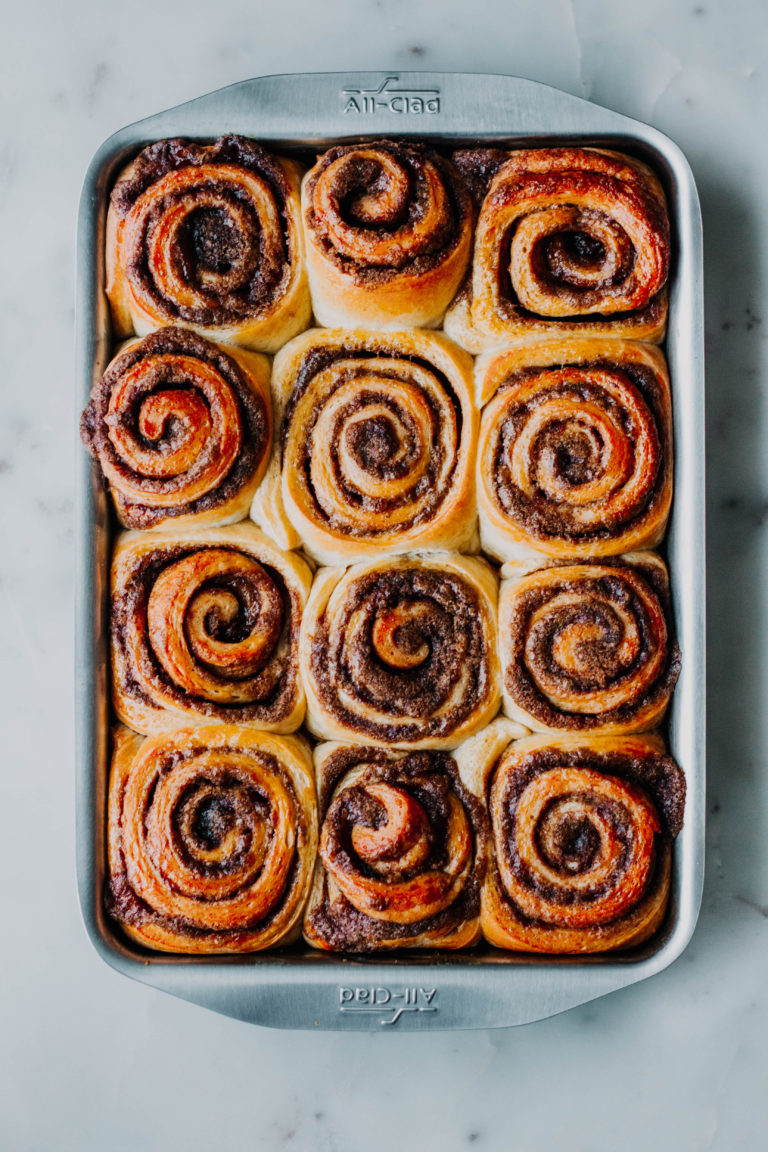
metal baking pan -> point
(301, 988)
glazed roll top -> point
(402, 851)
(208, 236)
(377, 444)
(568, 240)
(205, 626)
(589, 647)
(182, 429)
(575, 453)
(388, 230)
(402, 652)
(582, 833)
(212, 834)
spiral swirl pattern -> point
(402, 848)
(208, 236)
(380, 215)
(575, 459)
(402, 652)
(180, 428)
(209, 838)
(377, 443)
(582, 836)
(588, 646)
(382, 204)
(207, 627)
(568, 236)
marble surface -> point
(91, 1061)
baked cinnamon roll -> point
(569, 241)
(588, 647)
(208, 236)
(388, 230)
(575, 450)
(582, 834)
(403, 848)
(182, 430)
(212, 838)
(401, 652)
(205, 627)
(377, 446)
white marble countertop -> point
(92, 1061)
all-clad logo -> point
(389, 96)
(387, 1003)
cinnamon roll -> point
(403, 847)
(588, 647)
(212, 838)
(205, 627)
(569, 241)
(377, 445)
(182, 430)
(401, 652)
(208, 237)
(582, 833)
(575, 450)
(388, 230)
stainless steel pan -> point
(482, 988)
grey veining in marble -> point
(90, 1061)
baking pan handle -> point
(351, 104)
(404, 998)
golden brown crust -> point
(208, 237)
(588, 647)
(388, 230)
(205, 628)
(376, 447)
(403, 850)
(582, 833)
(575, 448)
(182, 430)
(402, 652)
(212, 838)
(569, 241)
